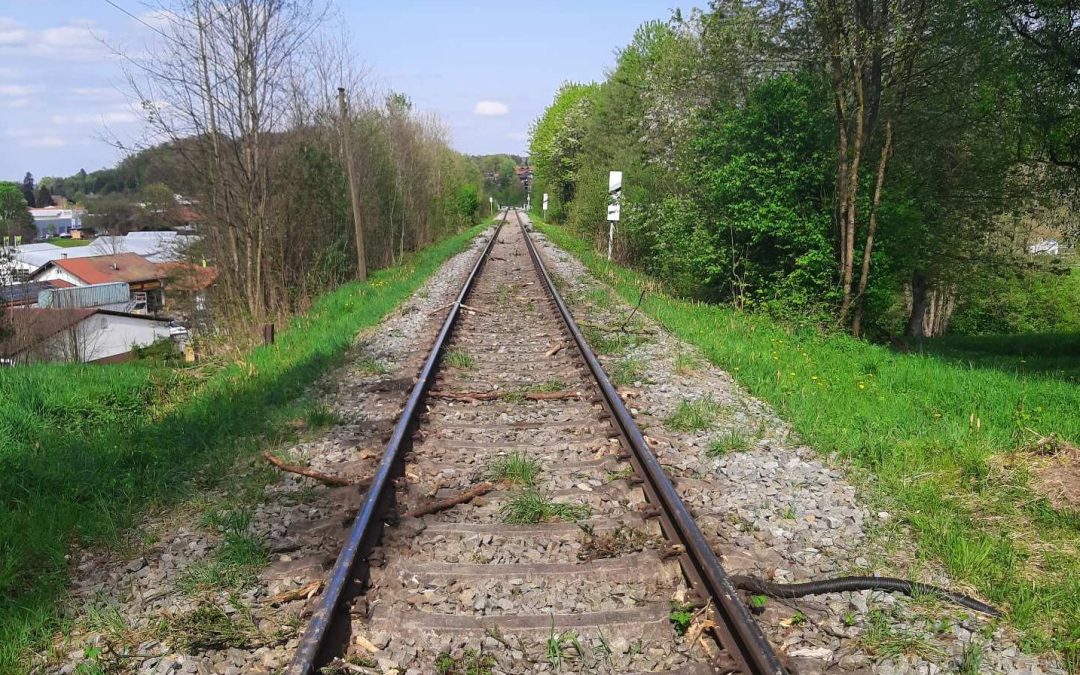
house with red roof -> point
(144, 277)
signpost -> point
(614, 202)
(491, 204)
(545, 206)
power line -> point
(140, 20)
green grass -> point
(235, 564)
(927, 428)
(85, 450)
(627, 371)
(729, 442)
(471, 662)
(530, 507)
(455, 358)
(70, 243)
(516, 468)
(694, 415)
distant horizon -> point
(62, 101)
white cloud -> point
(78, 40)
(15, 90)
(97, 92)
(110, 117)
(43, 142)
(12, 33)
(15, 103)
(490, 108)
(158, 18)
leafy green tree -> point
(15, 219)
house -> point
(26, 295)
(77, 335)
(154, 246)
(142, 276)
(52, 221)
(1045, 247)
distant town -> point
(75, 287)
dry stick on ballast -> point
(554, 350)
(449, 502)
(321, 477)
(552, 395)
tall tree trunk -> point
(868, 248)
(920, 287)
(852, 193)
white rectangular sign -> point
(614, 195)
(545, 201)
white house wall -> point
(103, 336)
(55, 272)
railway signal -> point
(614, 206)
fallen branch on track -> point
(321, 477)
(469, 396)
(554, 350)
(450, 502)
(306, 593)
(552, 395)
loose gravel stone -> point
(779, 510)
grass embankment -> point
(85, 449)
(932, 430)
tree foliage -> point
(863, 166)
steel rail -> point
(368, 525)
(740, 635)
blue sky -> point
(486, 68)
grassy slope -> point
(85, 449)
(927, 428)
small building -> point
(142, 276)
(77, 335)
(115, 297)
(28, 294)
(53, 221)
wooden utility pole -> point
(346, 133)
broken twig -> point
(449, 502)
(321, 477)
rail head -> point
(741, 635)
(368, 523)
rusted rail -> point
(736, 630)
(369, 523)
(745, 648)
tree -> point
(44, 197)
(28, 189)
(1049, 54)
(15, 219)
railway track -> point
(569, 549)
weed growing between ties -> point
(944, 418)
(517, 468)
(84, 450)
(531, 507)
(681, 616)
(620, 541)
(471, 662)
(455, 358)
